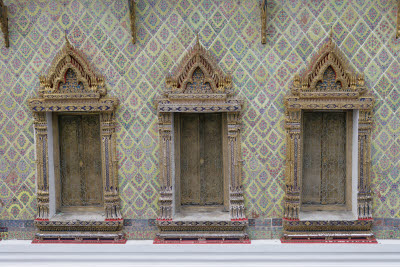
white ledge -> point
(145, 253)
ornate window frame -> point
(4, 23)
(92, 100)
(176, 100)
(305, 96)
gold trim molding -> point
(305, 94)
(4, 23)
(90, 98)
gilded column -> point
(364, 198)
(42, 163)
(166, 193)
(293, 165)
(110, 166)
(235, 167)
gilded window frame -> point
(93, 99)
(304, 96)
(174, 99)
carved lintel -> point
(132, 15)
(4, 23)
(264, 22)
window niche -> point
(328, 135)
(77, 182)
(201, 196)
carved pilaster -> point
(110, 166)
(235, 166)
(165, 129)
(293, 165)
(165, 202)
(364, 165)
(42, 163)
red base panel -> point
(61, 241)
(197, 241)
(323, 240)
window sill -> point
(327, 216)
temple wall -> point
(135, 73)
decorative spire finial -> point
(66, 38)
(197, 39)
(331, 35)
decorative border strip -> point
(202, 241)
(321, 241)
(147, 226)
(37, 241)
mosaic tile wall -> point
(364, 30)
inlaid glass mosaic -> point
(135, 73)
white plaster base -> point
(144, 253)
(327, 215)
(214, 213)
(81, 215)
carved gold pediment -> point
(70, 76)
(329, 77)
(72, 85)
(198, 85)
(198, 74)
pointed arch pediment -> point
(72, 85)
(342, 82)
(198, 59)
(70, 76)
(198, 85)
